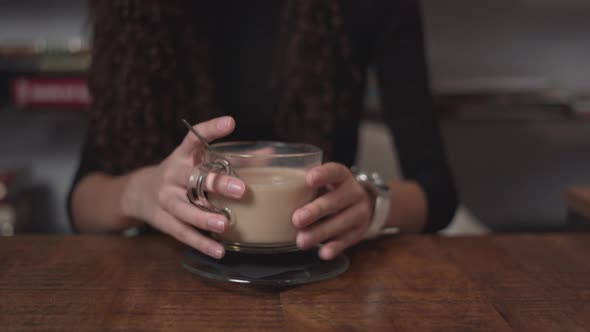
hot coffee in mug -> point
(274, 174)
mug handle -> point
(196, 191)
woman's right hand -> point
(157, 194)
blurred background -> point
(511, 80)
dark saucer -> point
(274, 270)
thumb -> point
(210, 130)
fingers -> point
(189, 236)
(215, 128)
(327, 204)
(210, 130)
(344, 211)
(328, 174)
(178, 206)
(352, 217)
(331, 249)
(225, 185)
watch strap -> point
(380, 215)
(380, 191)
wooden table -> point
(404, 283)
(578, 205)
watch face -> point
(372, 179)
(362, 177)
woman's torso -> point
(243, 37)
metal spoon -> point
(207, 146)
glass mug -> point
(274, 174)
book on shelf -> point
(50, 92)
(45, 75)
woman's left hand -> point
(339, 218)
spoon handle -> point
(194, 131)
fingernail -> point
(215, 252)
(235, 188)
(301, 216)
(300, 241)
(216, 225)
(327, 253)
(223, 123)
(313, 177)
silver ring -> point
(196, 186)
(199, 186)
(191, 194)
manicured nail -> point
(314, 177)
(300, 241)
(216, 225)
(327, 253)
(235, 188)
(301, 216)
(215, 252)
(223, 123)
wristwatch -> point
(375, 185)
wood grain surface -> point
(523, 282)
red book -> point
(30, 92)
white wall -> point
(465, 38)
(548, 39)
(36, 20)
